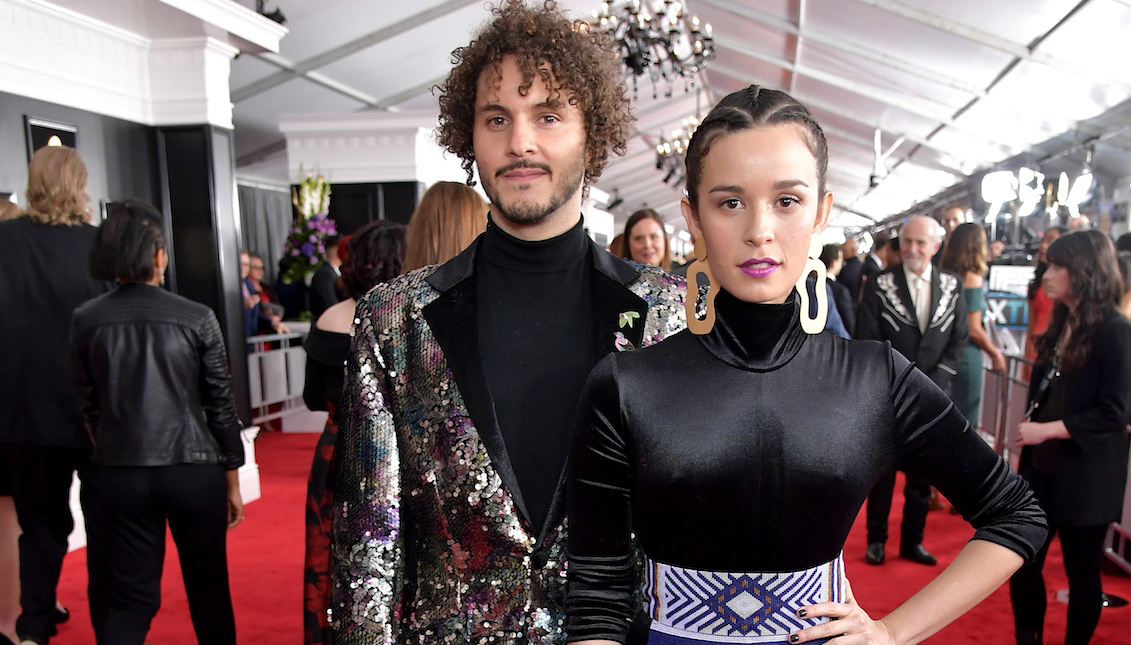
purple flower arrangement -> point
(306, 247)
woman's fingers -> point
(846, 621)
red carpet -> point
(265, 555)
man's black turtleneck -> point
(536, 335)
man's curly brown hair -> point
(578, 61)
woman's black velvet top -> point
(751, 449)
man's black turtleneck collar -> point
(540, 256)
(538, 341)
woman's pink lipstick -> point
(759, 267)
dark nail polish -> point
(801, 613)
(793, 638)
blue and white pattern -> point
(729, 607)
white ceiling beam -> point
(392, 100)
(850, 47)
(933, 111)
(810, 101)
(657, 191)
(797, 45)
(306, 67)
(376, 104)
(994, 41)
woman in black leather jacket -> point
(153, 372)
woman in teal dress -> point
(966, 255)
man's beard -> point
(532, 213)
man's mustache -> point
(523, 164)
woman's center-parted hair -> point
(572, 60)
(751, 108)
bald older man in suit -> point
(919, 308)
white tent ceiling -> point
(961, 85)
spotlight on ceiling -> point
(617, 200)
(276, 15)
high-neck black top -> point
(536, 335)
(751, 449)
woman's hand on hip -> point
(847, 622)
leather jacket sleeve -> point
(216, 393)
(84, 386)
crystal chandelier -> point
(657, 39)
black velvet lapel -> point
(452, 318)
(612, 299)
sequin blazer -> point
(431, 542)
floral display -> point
(306, 243)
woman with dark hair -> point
(374, 254)
(1040, 307)
(1074, 438)
(965, 255)
(739, 452)
(646, 240)
(153, 373)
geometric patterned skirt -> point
(693, 607)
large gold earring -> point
(697, 268)
(816, 324)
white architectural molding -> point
(189, 81)
(237, 20)
(55, 54)
(365, 147)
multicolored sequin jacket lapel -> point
(431, 542)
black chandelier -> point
(657, 39)
(670, 152)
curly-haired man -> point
(464, 378)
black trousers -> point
(1083, 553)
(135, 504)
(41, 489)
(916, 502)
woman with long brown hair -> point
(449, 217)
(1074, 440)
(965, 255)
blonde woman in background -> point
(43, 261)
(449, 217)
